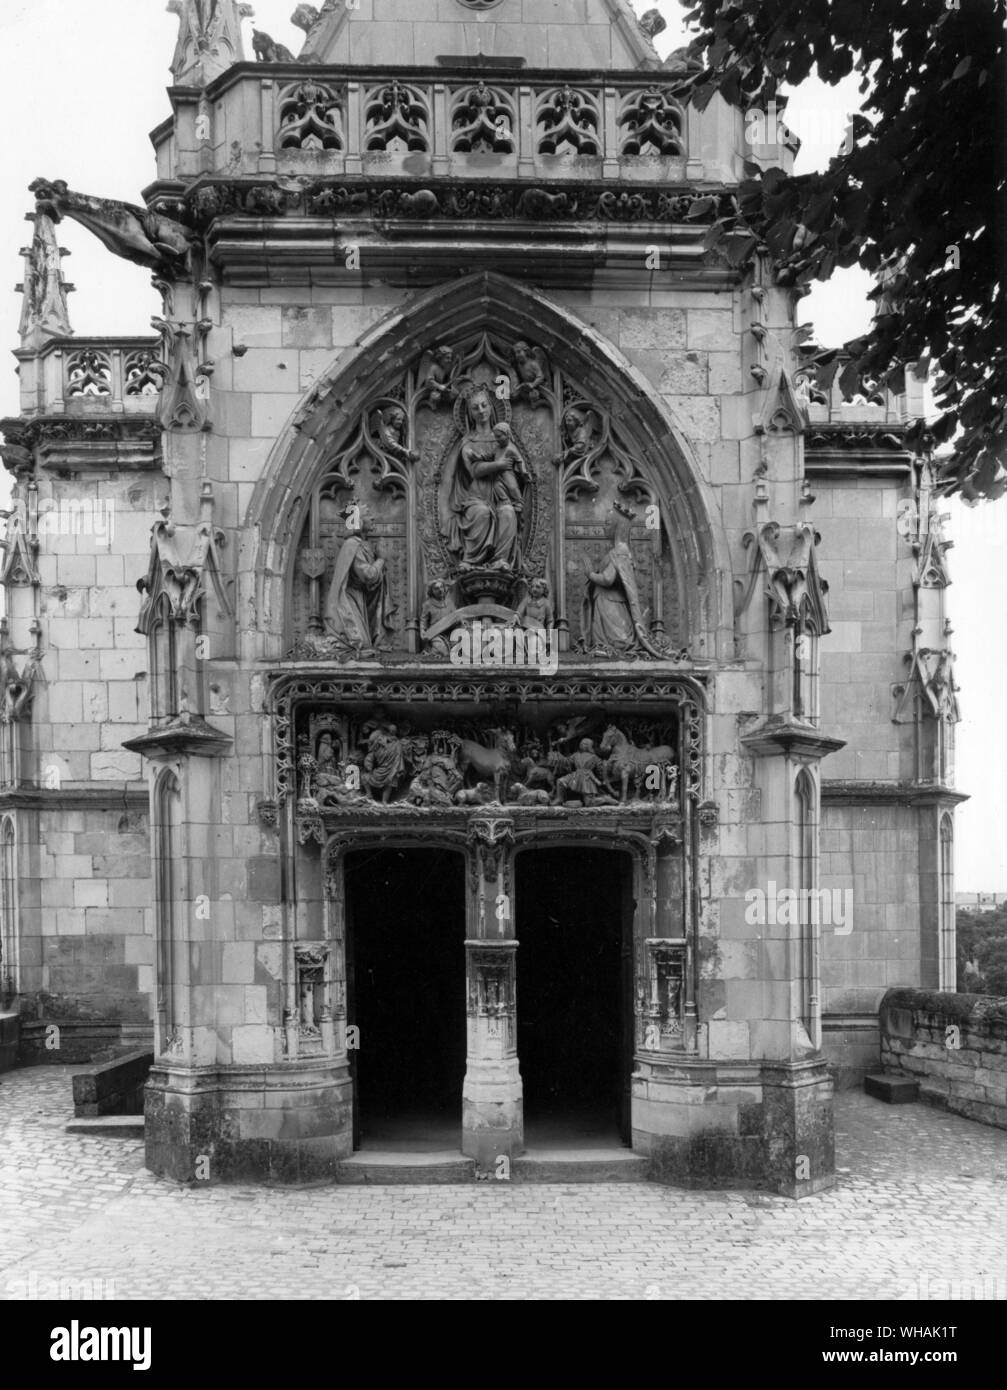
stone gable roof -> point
(597, 35)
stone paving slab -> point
(920, 1212)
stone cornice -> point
(192, 738)
(66, 798)
(260, 232)
(790, 737)
(461, 71)
(93, 442)
(850, 792)
(849, 436)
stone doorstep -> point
(534, 1166)
(401, 1169)
(894, 1090)
(107, 1126)
(586, 1165)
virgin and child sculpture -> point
(483, 490)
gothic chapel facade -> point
(524, 635)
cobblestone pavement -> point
(920, 1211)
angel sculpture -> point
(392, 427)
(580, 432)
(435, 374)
(532, 369)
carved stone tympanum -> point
(528, 513)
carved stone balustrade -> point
(90, 400)
(871, 420)
(292, 119)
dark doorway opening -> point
(574, 911)
(406, 993)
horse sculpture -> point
(629, 764)
(489, 764)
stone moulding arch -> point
(486, 300)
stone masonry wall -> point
(869, 569)
(86, 900)
(871, 852)
(955, 1045)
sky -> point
(84, 82)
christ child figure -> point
(506, 487)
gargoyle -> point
(267, 50)
(137, 234)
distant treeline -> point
(982, 951)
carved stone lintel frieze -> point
(412, 201)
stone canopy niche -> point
(484, 491)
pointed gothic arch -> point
(636, 420)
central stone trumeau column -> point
(492, 1105)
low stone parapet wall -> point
(113, 1088)
(954, 1045)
